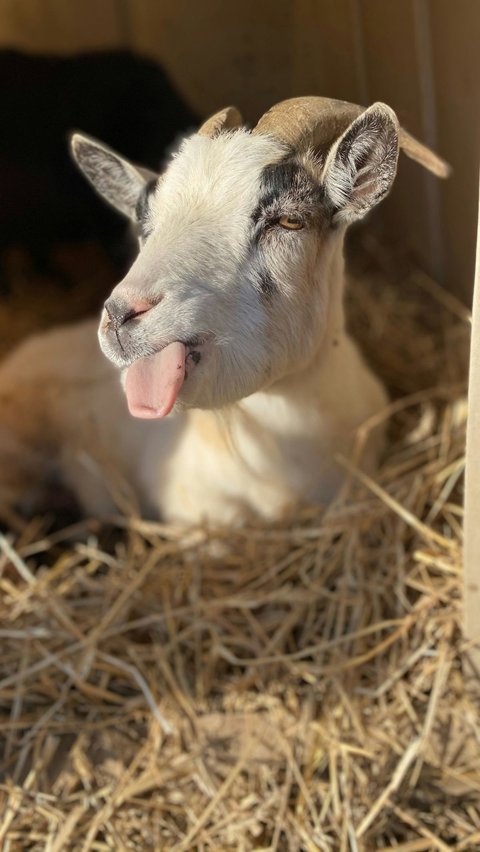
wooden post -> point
(472, 482)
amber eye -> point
(290, 222)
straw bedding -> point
(300, 686)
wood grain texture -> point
(323, 54)
(220, 53)
(60, 26)
(456, 58)
(392, 77)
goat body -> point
(231, 315)
(64, 416)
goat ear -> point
(117, 180)
(361, 166)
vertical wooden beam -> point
(390, 57)
(359, 54)
(323, 44)
(455, 36)
(472, 481)
(428, 105)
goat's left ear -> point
(116, 179)
(361, 166)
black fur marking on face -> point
(195, 356)
(288, 188)
(143, 205)
(259, 274)
(266, 282)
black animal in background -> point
(126, 100)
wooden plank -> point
(456, 57)
(60, 26)
(392, 76)
(471, 607)
(323, 40)
(251, 54)
(219, 53)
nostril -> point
(140, 307)
(120, 312)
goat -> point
(234, 304)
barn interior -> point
(298, 685)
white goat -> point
(234, 304)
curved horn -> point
(308, 122)
(227, 119)
(314, 122)
(424, 155)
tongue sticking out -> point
(152, 384)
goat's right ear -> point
(361, 166)
(117, 180)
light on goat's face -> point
(223, 267)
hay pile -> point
(296, 687)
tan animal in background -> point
(229, 383)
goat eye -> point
(290, 222)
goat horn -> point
(227, 119)
(315, 122)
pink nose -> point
(120, 311)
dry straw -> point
(291, 687)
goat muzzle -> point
(119, 312)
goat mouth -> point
(152, 384)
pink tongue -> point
(152, 384)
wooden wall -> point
(421, 56)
